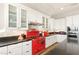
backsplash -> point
(11, 33)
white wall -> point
(73, 21)
(1, 16)
(60, 24)
(51, 25)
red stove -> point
(38, 42)
(38, 45)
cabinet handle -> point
(27, 44)
(27, 51)
(9, 51)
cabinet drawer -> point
(3, 50)
(27, 47)
(27, 51)
(29, 43)
(15, 49)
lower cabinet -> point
(61, 38)
(3, 50)
(24, 48)
(47, 42)
(27, 48)
(15, 49)
(50, 40)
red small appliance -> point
(45, 33)
(38, 41)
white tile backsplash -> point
(11, 33)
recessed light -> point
(61, 8)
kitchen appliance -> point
(32, 33)
(72, 34)
(38, 40)
(38, 44)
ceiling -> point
(55, 10)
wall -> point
(73, 21)
(51, 25)
(60, 24)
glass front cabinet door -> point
(12, 20)
(23, 19)
(15, 16)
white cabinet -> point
(10, 16)
(53, 39)
(24, 48)
(47, 42)
(61, 38)
(27, 48)
(15, 49)
(13, 16)
(3, 50)
(50, 40)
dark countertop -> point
(5, 41)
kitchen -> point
(28, 29)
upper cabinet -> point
(45, 23)
(14, 16)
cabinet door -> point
(15, 49)
(47, 42)
(3, 50)
(53, 39)
(23, 19)
(58, 37)
(27, 48)
(61, 38)
(12, 17)
(50, 40)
